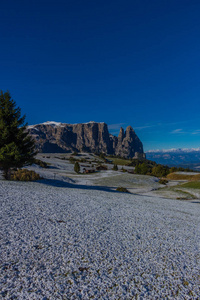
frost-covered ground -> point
(58, 242)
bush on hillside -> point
(72, 160)
(115, 168)
(142, 169)
(101, 168)
(40, 163)
(76, 167)
(160, 171)
(122, 189)
(102, 155)
(75, 153)
(163, 181)
(24, 175)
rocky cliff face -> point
(90, 137)
(128, 144)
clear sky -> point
(124, 62)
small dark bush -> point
(102, 155)
(41, 163)
(101, 167)
(82, 160)
(25, 175)
(75, 153)
(76, 167)
(72, 160)
(163, 181)
(122, 189)
(115, 168)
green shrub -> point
(122, 189)
(143, 168)
(24, 175)
(160, 171)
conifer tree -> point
(115, 167)
(76, 167)
(17, 148)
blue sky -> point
(122, 62)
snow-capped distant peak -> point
(186, 150)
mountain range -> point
(52, 137)
(176, 157)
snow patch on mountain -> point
(59, 124)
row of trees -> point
(151, 168)
(17, 148)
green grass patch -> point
(186, 195)
(119, 161)
(191, 185)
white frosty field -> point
(68, 243)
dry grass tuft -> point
(24, 175)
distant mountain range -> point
(176, 157)
(52, 137)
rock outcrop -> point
(52, 137)
(128, 143)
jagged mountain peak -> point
(92, 136)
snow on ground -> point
(64, 243)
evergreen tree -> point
(138, 169)
(160, 171)
(115, 168)
(143, 168)
(76, 167)
(16, 146)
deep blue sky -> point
(122, 62)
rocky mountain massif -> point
(52, 137)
